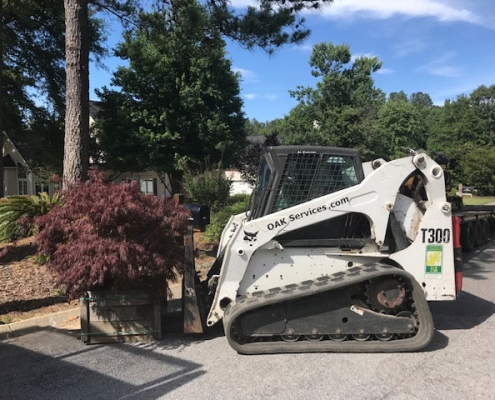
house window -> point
(23, 186)
(22, 179)
(149, 186)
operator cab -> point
(291, 175)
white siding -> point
(239, 186)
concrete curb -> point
(56, 320)
(47, 321)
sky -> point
(444, 48)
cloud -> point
(306, 47)
(442, 10)
(409, 47)
(385, 71)
(269, 96)
(442, 66)
(246, 74)
(384, 9)
(244, 3)
(443, 70)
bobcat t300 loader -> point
(335, 255)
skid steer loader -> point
(336, 255)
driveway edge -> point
(51, 320)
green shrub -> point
(236, 205)
(239, 198)
(17, 214)
(209, 188)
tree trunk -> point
(76, 155)
(175, 183)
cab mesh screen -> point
(307, 176)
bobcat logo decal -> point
(250, 237)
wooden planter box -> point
(109, 317)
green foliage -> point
(253, 127)
(398, 96)
(210, 188)
(301, 126)
(42, 259)
(32, 72)
(421, 100)
(463, 126)
(45, 133)
(17, 214)
(270, 25)
(400, 123)
(236, 205)
(178, 99)
(341, 110)
(44, 203)
(479, 169)
(482, 100)
(239, 198)
(33, 54)
(457, 125)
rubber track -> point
(338, 280)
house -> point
(239, 185)
(18, 178)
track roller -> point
(283, 320)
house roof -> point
(19, 150)
(8, 161)
(94, 108)
(256, 138)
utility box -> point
(200, 215)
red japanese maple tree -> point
(111, 236)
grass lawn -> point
(478, 200)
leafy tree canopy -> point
(483, 102)
(479, 169)
(400, 123)
(33, 55)
(421, 100)
(177, 101)
(457, 125)
(32, 68)
(342, 107)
